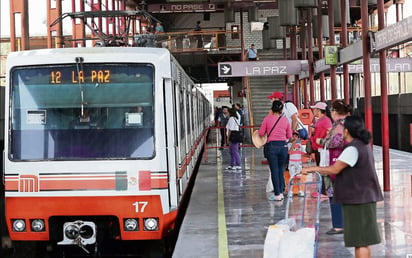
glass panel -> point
(88, 111)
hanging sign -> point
(331, 55)
(262, 68)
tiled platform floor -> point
(229, 212)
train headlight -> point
(151, 224)
(19, 225)
(37, 225)
(130, 225)
(71, 231)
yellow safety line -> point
(223, 247)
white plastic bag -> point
(324, 157)
(269, 184)
(274, 236)
(272, 240)
(297, 244)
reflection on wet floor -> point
(249, 212)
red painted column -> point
(293, 47)
(21, 7)
(285, 56)
(384, 104)
(320, 47)
(79, 31)
(310, 58)
(366, 66)
(52, 15)
(332, 43)
(303, 37)
(344, 42)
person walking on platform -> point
(278, 131)
(223, 118)
(356, 187)
(231, 127)
(335, 143)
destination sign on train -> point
(262, 68)
(90, 76)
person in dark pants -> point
(223, 118)
(356, 187)
(278, 131)
(199, 36)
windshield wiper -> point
(79, 66)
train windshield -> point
(82, 111)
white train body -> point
(99, 140)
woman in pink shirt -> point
(321, 127)
(275, 150)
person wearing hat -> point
(289, 111)
(320, 128)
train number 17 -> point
(140, 206)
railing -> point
(247, 132)
(190, 41)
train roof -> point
(90, 55)
(92, 50)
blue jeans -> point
(336, 213)
(276, 153)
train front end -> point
(86, 149)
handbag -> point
(324, 157)
(236, 136)
(302, 131)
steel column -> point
(320, 49)
(285, 56)
(52, 15)
(366, 66)
(293, 46)
(384, 104)
(79, 32)
(303, 35)
(310, 57)
(21, 7)
(344, 42)
(332, 43)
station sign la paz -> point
(262, 68)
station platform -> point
(229, 212)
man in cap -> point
(289, 109)
(321, 127)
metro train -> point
(100, 143)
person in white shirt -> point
(231, 127)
